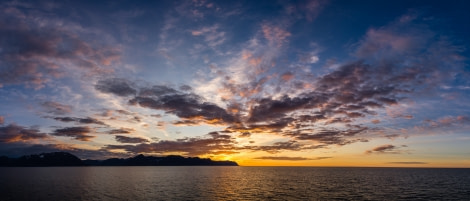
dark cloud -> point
(56, 108)
(186, 106)
(245, 134)
(87, 120)
(335, 120)
(14, 133)
(65, 119)
(330, 136)
(387, 148)
(121, 131)
(186, 88)
(124, 112)
(213, 143)
(272, 126)
(358, 84)
(277, 147)
(116, 86)
(90, 120)
(157, 90)
(186, 122)
(311, 118)
(79, 133)
(268, 108)
(125, 139)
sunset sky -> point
(303, 83)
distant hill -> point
(67, 159)
(44, 159)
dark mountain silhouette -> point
(67, 159)
(44, 159)
(141, 160)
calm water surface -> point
(232, 183)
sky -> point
(262, 83)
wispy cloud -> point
(386, 149)
(87, 120)
(288, 158)
(213, 143)
(56, 108)
(35, 50)
(408, 163)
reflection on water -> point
(232, 183)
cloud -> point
(125, 139)
(87, 120)
(277, 147)
(15, 133)
(213, 143)
(384, 149)
(375, 121)
(268, 108)
(412, 51)
(116, 86)
(184, 105)
(79, 133)
(332, 136)
(287, 76)
(121, 131)
(408, 163)
(339, 97)
(275, 35)
(308, 10)
(188, 106)
(35, 50)
(288, 158)
(334, 106)
(212, 36)
(447, 121)
(2, 120)
(56, 108)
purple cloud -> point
(15, 133)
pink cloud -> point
(384, 41)
(275, 35)
(287, 76)
(34, 54)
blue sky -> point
(361, 83)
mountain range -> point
(67, 159)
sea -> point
(232, 183)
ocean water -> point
(232, 183)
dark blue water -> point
(232, 183)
